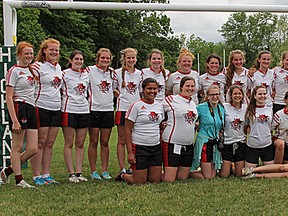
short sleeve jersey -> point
(158, 76)
(174, 83)
(23, 82)
(130, 93)
(75, 88)
(147, 118)
(281, 85)
(182, 115)
(234, 123)
(260, 129)
(280, 124)
(49, 84)
(101, 88)
(207, 79)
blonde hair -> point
(123, 62)
(162, 68)
(41, 56)
(184, 52)
(98, 54)
(231, 67)
(211, 87)
(283, 56)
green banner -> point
(7, 60)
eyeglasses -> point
(216, 94)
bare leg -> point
(68, 145)
(170, 174)
(208, 170)
(92, 149)
(239, 165)
(183, 173)
(279, 151)
(137, 177)
(273, 168)
(121, 150)
(104, 141)
(197, 174)
(225, 169)
(79, 148)
(154, 174)
(15, 155)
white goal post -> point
(10, 16)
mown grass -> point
(230, 196)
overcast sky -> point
(206, 24)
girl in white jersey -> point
(264, 76)
(143, 137)
(177, 148)
(212, 77)
(236, 74)
(184, 64)
(234, 136)
(101, 97)
(20, 87)
(157, 71)
(128, 80)
(75, 114)
(48, 105)
(258, 122)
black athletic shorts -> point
(120, 118)
(266, 154)
(48, 118)
(182, 158)
(76, 120)
(102, 119)
(234, 152)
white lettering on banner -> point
(3, 84)
(5, 68)
(5, 147)
(5, 54)
(5, 160)
(6, 133)
(3, 101)
(4, 120)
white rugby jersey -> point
(174, 83)
(266, 80)
(21, 79)
(101, 88)
(234, 123)
(243, 81)
(74, 91)
(147, 118)
(281, 85)
(47, 91)
(149, 72)
(130, 93)
(260, 129)
(182, 115)
(207, 79)
(280, 124)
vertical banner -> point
(7, 60)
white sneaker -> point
(82, 179)
(24, 184)
(3, 176)
(73, 179)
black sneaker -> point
(129, 171)
(119, 177)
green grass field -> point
(230, 196)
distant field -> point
(230, 196)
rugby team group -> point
(171, 126)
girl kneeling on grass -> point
(179, 133)
(142, 127)
(20, 87)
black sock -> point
(70, 175)
(78, 174)
(18, 178)
(8, 171)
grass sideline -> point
(231, 196)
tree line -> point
(144, 30)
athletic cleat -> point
(119, 177)
(3, 175)
(105, 175)
(249, 176)
(73, 179)
(95, 175)
(247, 171)
(24, 184)
(82, 179)
(129, 171)
(50, 180)
(39, 181)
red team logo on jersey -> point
(178, 78)
(104, 86)
(30, 80)
(236, 124)
(56, 82)
(262, 118)
(160, 88)
(131, 88)
(239, 83)
(80, 89)
(153, 116)
(216, 83)
(190, 117)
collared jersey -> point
(234, 123)
(206, 80)
(23, 82)
(280, 125)
(158, 76)
(74, 94)
(147, 118)
(130, 93)
(281, 85)
(266, 80)
(174, 83)
(49, 84)
(101, 88)
(182, 116)
(260, 128)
